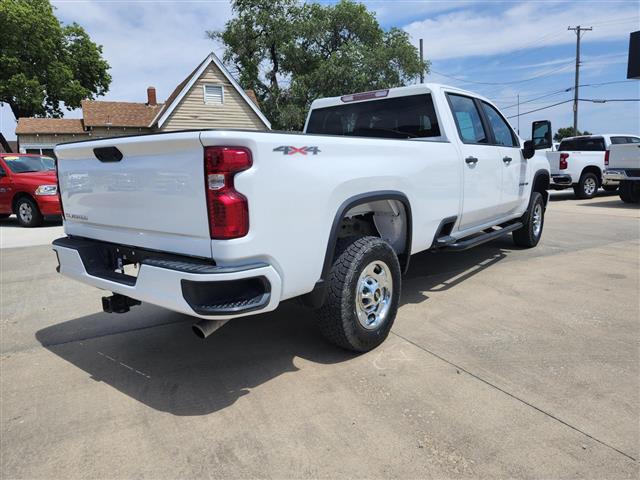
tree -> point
(291, 53)
(44, 63)
(567, 132)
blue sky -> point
(499, 49)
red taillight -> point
(606, 158)
(563, 161)
(228, 209)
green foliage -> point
(567, 132)
(44, 63)
(291, 53)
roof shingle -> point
(29, 125)
(118, 114)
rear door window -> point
(586, 144)
(467, 119)
(501, 130)
(402, 117)
(618, 140)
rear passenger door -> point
(481, 165)
(513, 165)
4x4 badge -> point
(288, 150)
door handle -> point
(507, 160)
(471, 160)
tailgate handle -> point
(108, 154)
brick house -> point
(208, 98)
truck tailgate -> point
(153, 197)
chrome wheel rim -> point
(25, 212)
(590, 186)
(373, 295)
(537, 220)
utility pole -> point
(518, 117)
(421, 60)
(578, 31)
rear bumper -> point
(561, 180)
(182, 284)
(618, 175)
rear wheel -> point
(28, 213)
(587, 187)
(363, 294)
(533, 221)
(630, 191)
(609, 188)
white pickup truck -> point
(623, 165)
(580, 162)
(226, 223)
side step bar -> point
(450, 243)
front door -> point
(5, 191)
(482, 167)
(514, 165)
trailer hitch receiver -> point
(117, 303)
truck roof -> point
(390, 93)
(601, 135)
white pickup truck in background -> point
(219, 224)
(623, 165)
(580, 162)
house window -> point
(213, 94)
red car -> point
(28, 188)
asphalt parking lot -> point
(501, 363)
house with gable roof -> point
(209, 97)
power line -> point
(542, 108)
(592, 100)
(538, 98)
(546, 74)
(605, 100)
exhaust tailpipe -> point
(204, 328)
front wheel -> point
(630, 191)
(533, 221)
(28, 213)
(363, 294)
(587, 187)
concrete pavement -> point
(501, 363)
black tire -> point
(630, 191)
(529, 235)
(610, 188)
(587, 187)
(339, 321)
(28, 213)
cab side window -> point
(467, 119)
(501, 130)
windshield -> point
(30, 164)
(402, 117)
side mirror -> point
(541, 135)
(529, 149)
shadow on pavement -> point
(613, 203)
(151, 355)
(12, 222)
(567, 194)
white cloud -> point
(147, 43)
(390, 13)
(490, 31)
